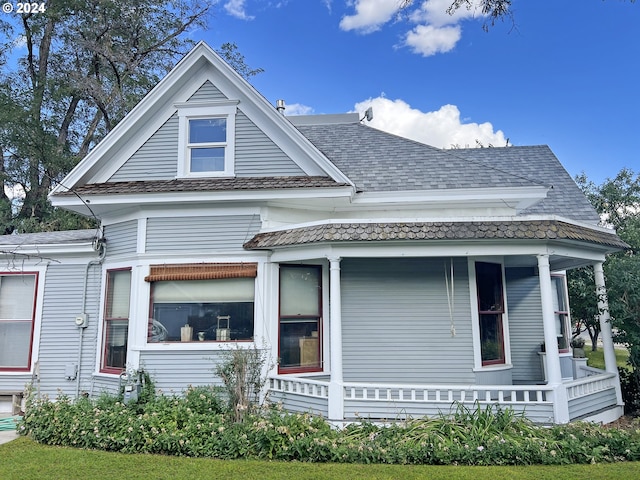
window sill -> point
(494, 368)
(194, 346)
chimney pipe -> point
(280, 106)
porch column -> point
(336, 393)
(554, 373)
(610, 364)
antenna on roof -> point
(368, 114)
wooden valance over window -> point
(201, 271)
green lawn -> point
(596, 359)
(24, 459)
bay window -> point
(17, 316)
(300, 318)
(201, 302)
(116, 320)
(490, 312)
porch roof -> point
(463, 230)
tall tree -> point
(68, 76)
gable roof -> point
(198, 66)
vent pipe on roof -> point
(280, 106)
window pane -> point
(198, 304)
(116, 343)
(17, 296)
(15, 344)
(208, 130)
(489, 283)
(299, 290)
(491, 345)
(299, 344)
(207, 159)
(118, 293)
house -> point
(386, 278)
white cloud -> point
(236, 8)
(370, 15)
(442, 128)
(298, 109)
(435, 31)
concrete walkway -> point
(7, 435)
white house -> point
(386, 278)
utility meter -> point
(81, 320)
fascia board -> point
(516, 197)
(201, 197)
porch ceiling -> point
(437, 231)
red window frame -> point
(490, 293)
(104, 368)
(317, 318)
(33, 321)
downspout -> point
(101, 248)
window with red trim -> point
(116, 320)
(17, 318)
(300, 335)
(490, 312)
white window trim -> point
(202, 110)
(475, 317)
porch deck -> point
(585, 397)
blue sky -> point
(566, 74)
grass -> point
(24, 459)
(596, 359)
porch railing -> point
(396, 401)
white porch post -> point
(336, 394)
(554, 373)
(605, 326)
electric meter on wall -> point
(81, 320)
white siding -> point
(396, 321)
(200, 234)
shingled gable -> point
(199, 66)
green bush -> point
(199, 424)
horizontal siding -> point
(257, 156)
(396, 322)
(174, 371)
(157, 159)
(121, 238)
(204, 234)
(207, 92)
(60, 338)
(525, 324)
(590, 404)
(14, 383)
(105, 386)
(300, 403)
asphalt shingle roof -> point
(49, 238)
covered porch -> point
(375, 288)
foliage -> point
(75, 71)
(199, 425)
(241, 371)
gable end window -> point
(17, 314)
(207, 139)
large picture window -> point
(17, 313)
(300, 318)
(490, 312)
(202, 303)
(116, 320)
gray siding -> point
(396, 322)
(60, 338)
(525, 324)
(206, 92)
(257, 155)
(121, 238)
(157, 159)
(300, 403)
(174, 371)
(590, 404)
(200, 233)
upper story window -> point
(206, 139)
